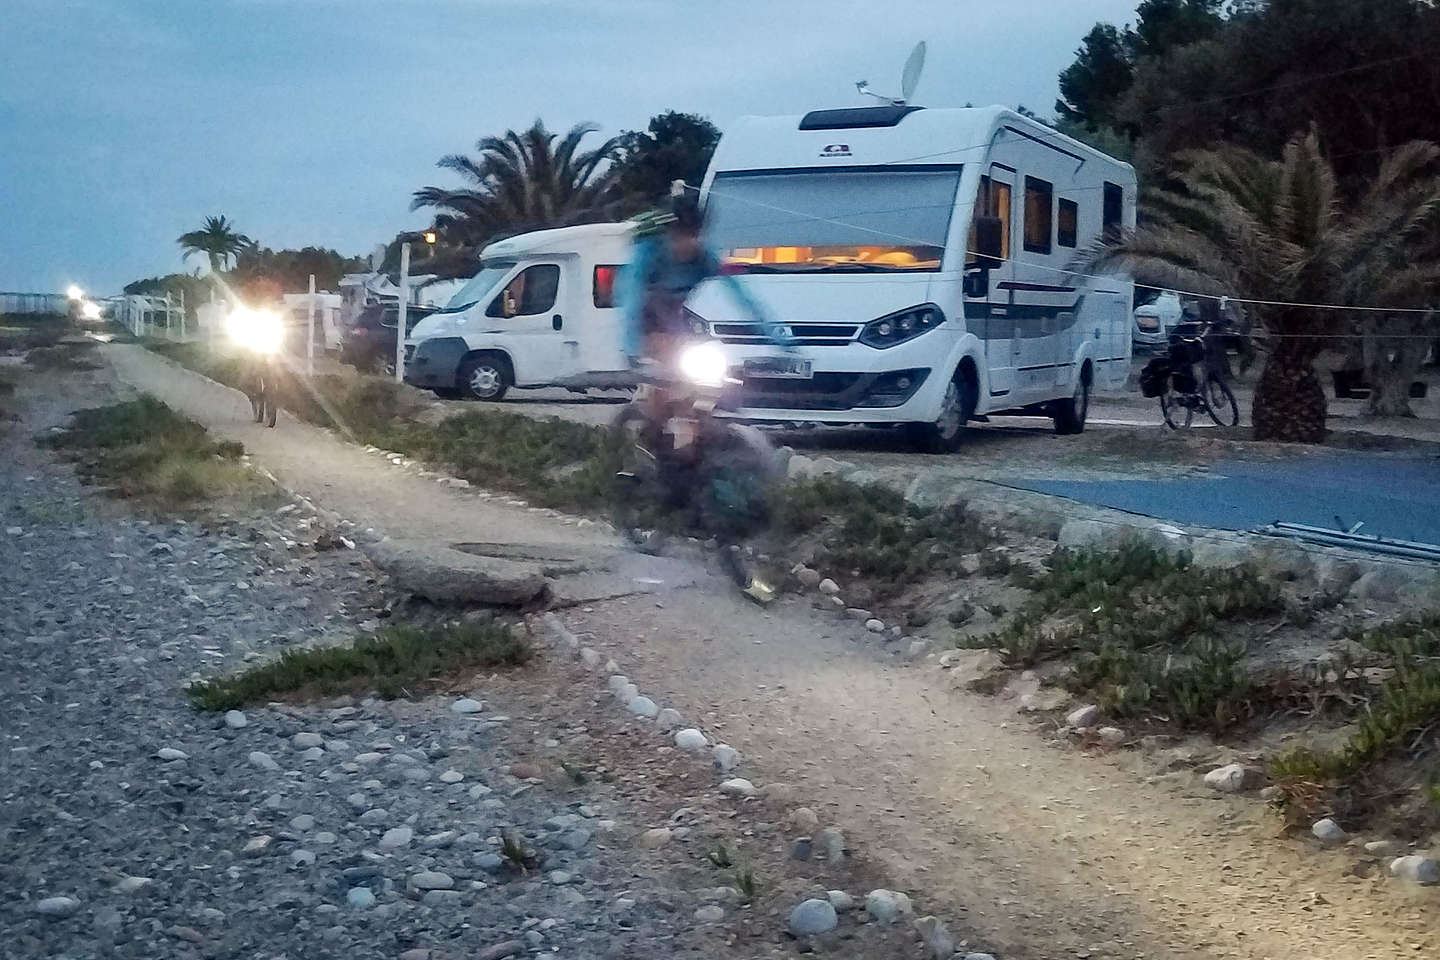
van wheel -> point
(948, 431)
(1070, 414)
(485, 376)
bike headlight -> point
(902, 326)
(704, 364)
(258, 330)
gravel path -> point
(134, 826)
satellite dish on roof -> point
(909, 79)
(910, 76)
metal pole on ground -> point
(310, 332)
(400, 316)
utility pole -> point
(310, 335)
(400, 317)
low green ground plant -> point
(394, 662)
(1142, 629)
(874, 530)
(142, 449)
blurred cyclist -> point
(671, 260)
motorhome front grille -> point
(809, 334)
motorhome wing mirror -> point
(989, 241)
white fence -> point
(34, 302)
(149, 316)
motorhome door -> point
(988, 314)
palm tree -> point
(524, 181)
(218, 240)
(1234, 223)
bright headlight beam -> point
(704, 364)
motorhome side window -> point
(1067, 226)
(532, 291)
(992, 200)
(1114, 208)
(1038, 206)
(604, 290)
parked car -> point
(1155, 319)
(369, 343)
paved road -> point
(1395, 497)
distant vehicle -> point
(540, 312)
(1157, 318)
(918, 259)
(368, 344)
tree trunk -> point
(1289, 400)
(1394, 349)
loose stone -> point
(811, 918)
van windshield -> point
(880, 219)
(491, 273)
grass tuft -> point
(143, 449)
(395, 662)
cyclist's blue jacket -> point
(652, 268)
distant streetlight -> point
(90, 310)
(75, 293)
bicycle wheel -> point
(1177, 414)
(1220, 402)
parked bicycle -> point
(1191, 377)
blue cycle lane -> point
(1395, 496)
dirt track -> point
(1036, 851)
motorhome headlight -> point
(697, 323)
(704, 364)
(902, 326)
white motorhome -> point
(918, 258)
(540, 312)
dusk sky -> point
(123, 123)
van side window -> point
(1114, 209)
(532, 291)
(1038, 212)
(992, 200)
(604, 290)
(1067, 226)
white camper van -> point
(918, 259)
(540, 312)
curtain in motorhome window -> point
(1067, 229)
(1114, 209)
(603, 295)
(1038, 217)
(992, 200)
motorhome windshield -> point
(881, 219)
(491, 273)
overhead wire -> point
(1064, 271)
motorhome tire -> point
(1070, 414)
(485, 376)
(947, 433)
